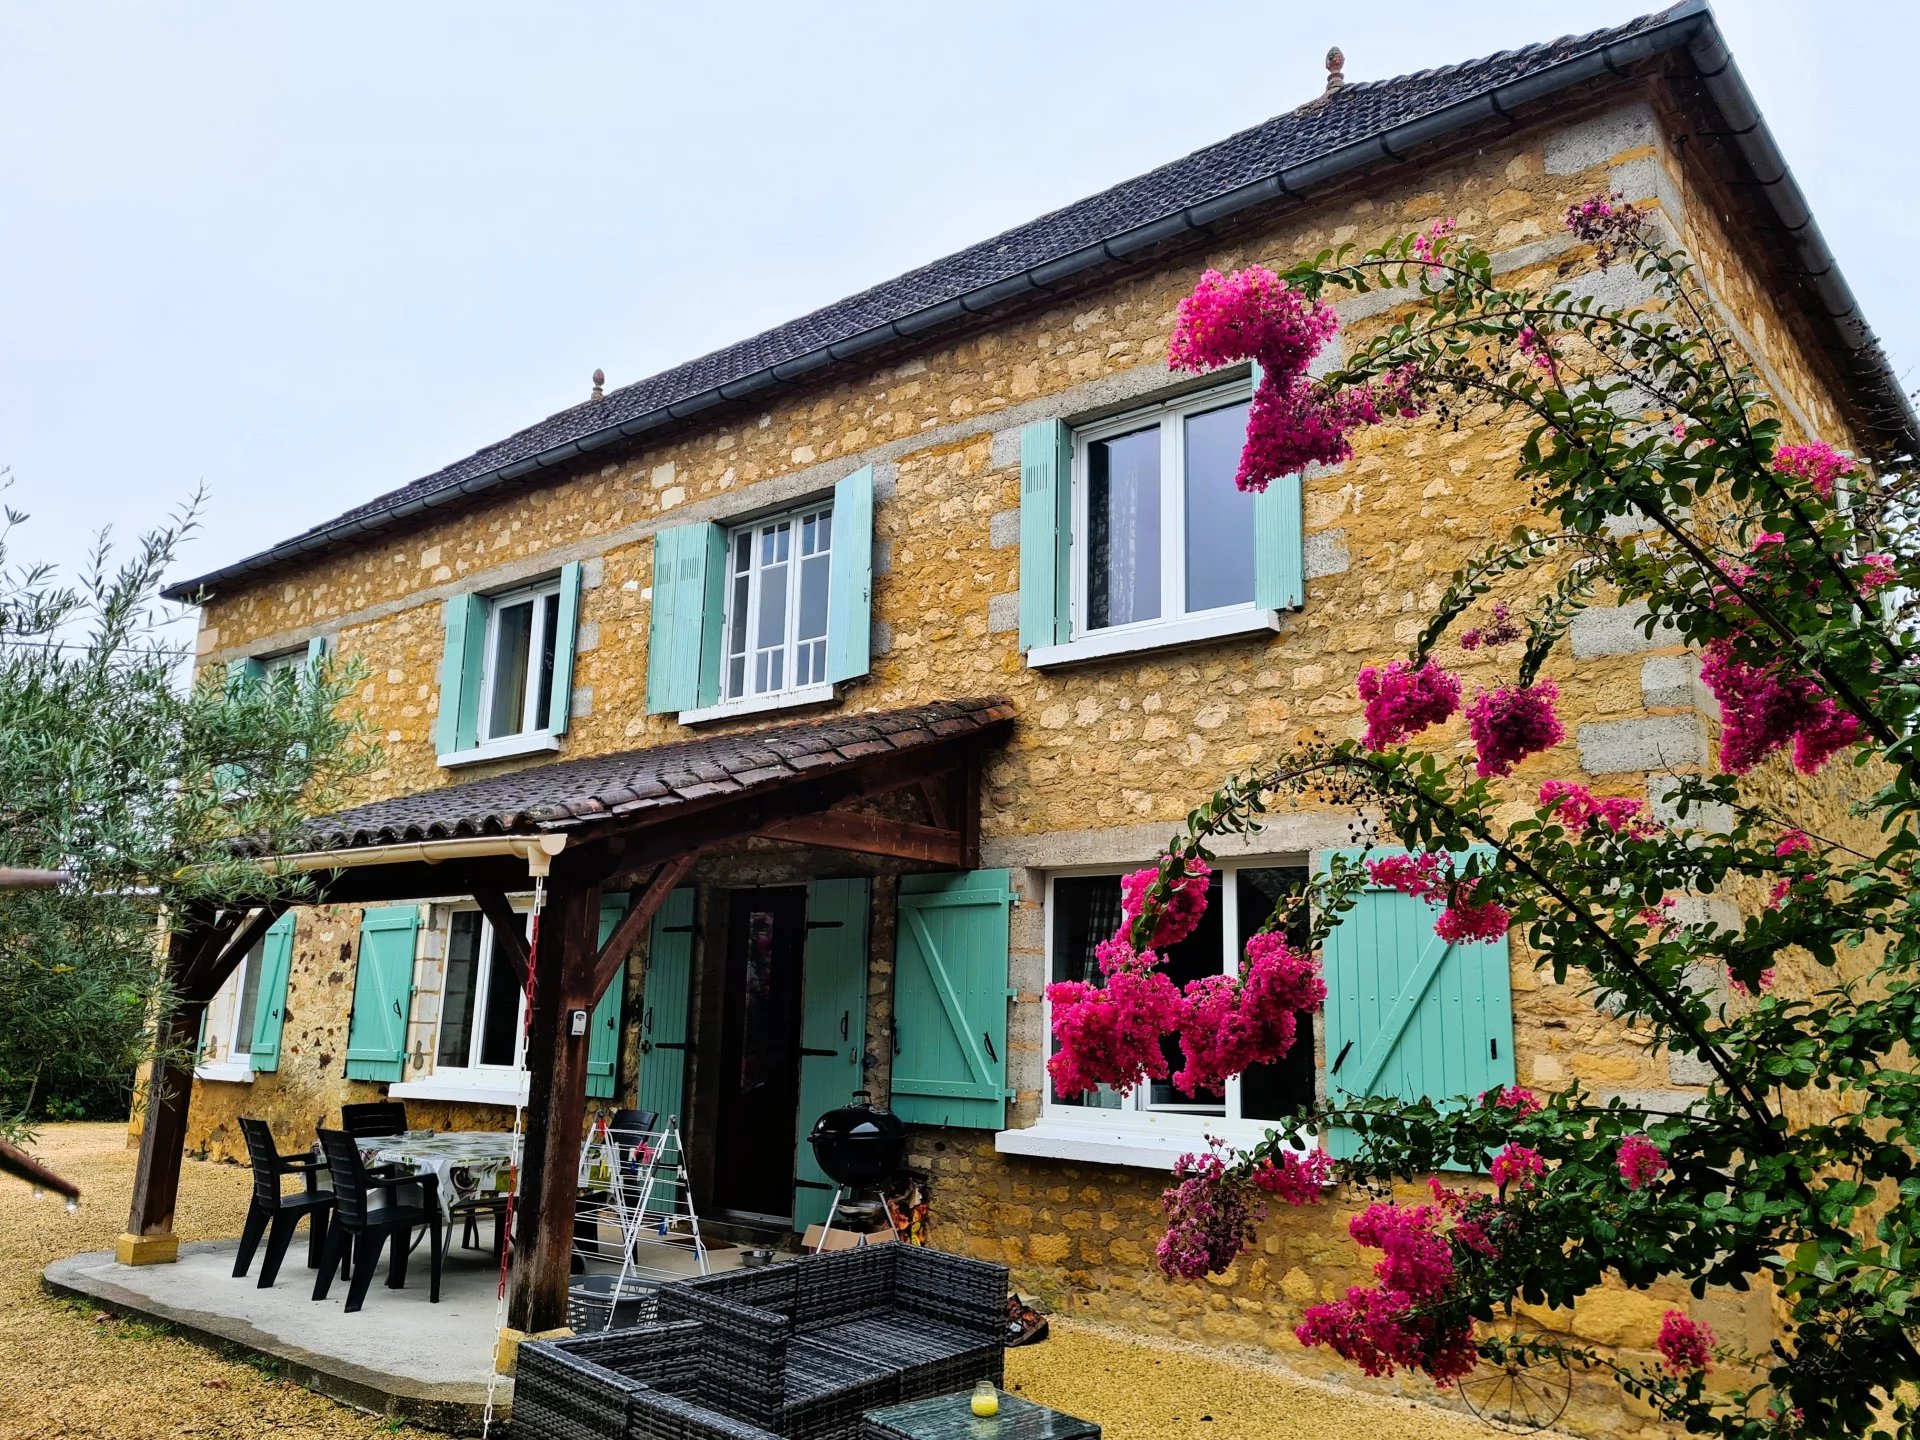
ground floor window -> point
(227, 1042)
(480, 1002)
(1084, 910)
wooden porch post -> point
(149, 1237)
(556, 1113)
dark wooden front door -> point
(760, 1052)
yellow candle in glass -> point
(986, 1400)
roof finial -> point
(1336, 73)
(599, 380)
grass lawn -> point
(67, 1371)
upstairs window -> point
(765, 613)
(506, 677)
(1160, 531)
(516, 695)
(776, 609)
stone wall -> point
(1109, 756)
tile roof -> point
(568, 793)
(1324, 127)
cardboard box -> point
(838, 1239)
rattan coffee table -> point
(951, 1417)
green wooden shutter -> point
(270, 999)
(244, 671)
(1409, 1015)
(833, 1027)
(458, 727)
(316, 652)
(950, 998)
(1279, 544)
(850, 578)
(565, 633)
(1046, 532)
(603, 1030)
(683, 638)
(382, 993)
(663, 1016)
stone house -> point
(981, 479)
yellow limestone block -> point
(131, 1249)
(506, 1350)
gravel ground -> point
(67, 1372)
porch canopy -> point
(634, 821)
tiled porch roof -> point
(570, 793)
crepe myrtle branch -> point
(1402, 343)
(1386, 778)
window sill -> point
(760, 704)
(227, 1071)
(1195, 631)
(1138, 1146)
(461, 1091)
(535, 744)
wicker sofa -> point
(799, 1350)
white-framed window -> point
(1162, 538)
(479, 1034)
(227, 1051)
(778, 572)
(1083, 909)
(282, 662)
(517, 674)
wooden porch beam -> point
(872, 835)
(203, 982)
(639, 915)
(149, 1237)
(509, 928)
(556, 1113)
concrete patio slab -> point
(399, 1355)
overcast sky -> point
(301, 254)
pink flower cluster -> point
(1639, 1161)
(1606, 222)
(1517, 1165)
(1430, 242)
(1179, 913)
(1402, 701)
(1254, 315)
(1429, 876)
(1819, 464)
(1227, 1026)
(1294, 423)
(1794, 842)
(1519, 1099)
(1537, 348)
(1251, 314)
(1501, 630)
(1298, 1178)
(1764, 708)
(1685, 1344)
(1382, 1328)
(1510, 724)
(1464, 922)
(1210, 1217)
(1577, 807)
(1877, 572)
(1110, 1033)
(1740, 987)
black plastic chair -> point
(277, 1215)
(376, 1117)
(357, 1222)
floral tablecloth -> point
(467, 1163)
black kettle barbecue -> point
(860, 1144)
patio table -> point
(468, 1163)
(951, 1417)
